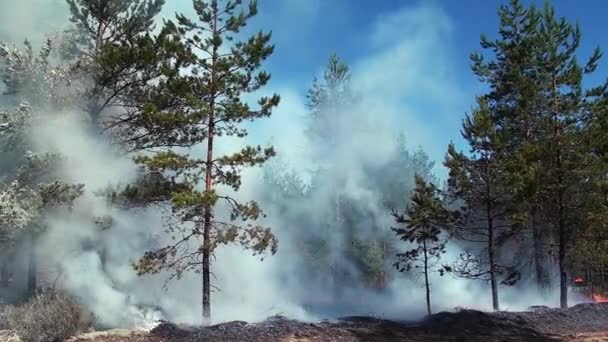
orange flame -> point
(598, 298)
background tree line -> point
(532, 185)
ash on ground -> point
(542, 324)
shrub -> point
(48, 317)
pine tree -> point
(31, 189)
(477, 183)
(566, 159)
(537, 101)
(29, 178)
(421, 225)
(111, 46)
(32, 76)
(329, 101)
(107, 58)
(514, 98)
(211, 107)
(590, 250)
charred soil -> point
(584, 322)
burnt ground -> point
(583, 322)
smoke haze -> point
(408, 65)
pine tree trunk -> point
(207, 232)
(561, 224)
(426, 278)
(491, 257)
(563, 276)
(206, 268)
(207, 226)
(539, 256)
(589, 278)
(563, 239)
(602, 286)
(337, 248)
(31, 269)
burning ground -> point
(583, 322)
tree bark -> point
(491, 257)
(602, 286)
(539, 255)
(562, 230)
(426, 278)
(563, 276)
(207, 230)
(561, 224)
(208, 210)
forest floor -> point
(583, 322)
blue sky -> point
(304, 41)
(441, 33)
(409, 57)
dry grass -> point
(48, 317)
(9, 336)
(4, 324)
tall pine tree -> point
(566, 161)
(538, 103)
(477, 181)
(221, 71)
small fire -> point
(598, 298)
(579, 280)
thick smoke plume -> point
(407, 61)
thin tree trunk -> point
(602, 286)
(563, 276)
(561, 224)
(426, 278)
(589, 279)
(491, 257)
(337, 248)
(539, 256)
(31, 269)
(207, 226)
(207, 230)
(563, 238)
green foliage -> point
(478, 184)
(478, 180)
(32, 76)
(330, 101)
(421, 225)
(541, 119)
(111, 44)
